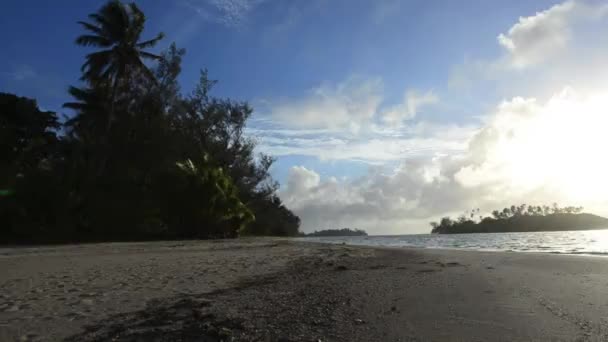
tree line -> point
(337, 232)
(518, 218)
(138, 159)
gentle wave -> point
(590, 242)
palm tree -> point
(90, 106)
(116, 29)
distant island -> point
(522, 218)
(338, 232)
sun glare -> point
(559, 146)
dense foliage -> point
(338, 232)
(522, 218)
(137, 159)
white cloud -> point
(526, 151)
(348, 105)
(533, 150)
(548, 46)
(345, 122)
(230, 13)
(353, 105)
(385, 10)
(536, 37)
(376, 147)
(21, 72)
(412, 103)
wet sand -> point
(279, 290)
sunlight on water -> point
(591, 242)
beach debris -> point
(359, 321)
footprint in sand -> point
(453, 263)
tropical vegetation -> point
(135, 158)
(338, 232)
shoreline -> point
(282, 290)
(455, 249)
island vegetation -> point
(135, 158)
(522, 218)
(338, 232)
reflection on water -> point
(590, 242)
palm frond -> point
(99, 19)
(80, 94)
(75, 105)
(148, 55)
(91, 27)
(109, 72)
(114, 19)
(96, 64)
(138, 19)
(89, 40)
(151, 43)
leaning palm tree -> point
(116, 29)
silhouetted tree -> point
(137, 159)
(522, 218)
(116, 29)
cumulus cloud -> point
(534, 37)
(548, 46)
(382, 202)
(524, 152)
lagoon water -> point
(590, 242)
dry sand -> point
(279, 290)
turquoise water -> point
(590, 242)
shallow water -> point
(590, 242)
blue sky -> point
(349, 93)
(269, 49)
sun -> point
(561, 146)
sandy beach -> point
(285, 290)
